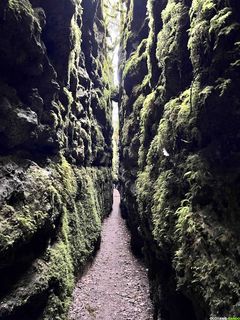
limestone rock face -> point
(55, 150)
(180, 77)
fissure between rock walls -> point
(179, 152)
(55, 150)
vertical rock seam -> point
(55, 150)
(179, 154)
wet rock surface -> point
(115, 287)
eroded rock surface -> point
(180, 77)
(55, 151)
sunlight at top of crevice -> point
(112, 17)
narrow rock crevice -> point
(173, 152)
(116, 285)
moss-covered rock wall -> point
(55, 150)
(179, 113)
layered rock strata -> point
(55, 150)
(179, 133)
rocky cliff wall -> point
(180, 63)
(55, 150)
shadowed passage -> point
(116, 285)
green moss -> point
(23, 221)
(207, 8)
(83, 210)
(146, 110)
(69, 205)
(199, 39)
(20, 6)
(169, 42)
(52, 210)
(185, 202)
(162, 212)
(148, 102)
(61, 256)
(115, 143)
(131, 127)
(62, 272)
(219, 20)
(68, 176)
(68, 96)
(136, 60)
(75, 52)
(203, 270)
(107, 72)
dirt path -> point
(116, 286)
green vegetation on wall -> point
(55, 151)
(179, 136)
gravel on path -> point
(116, 285)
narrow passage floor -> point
(116, 285)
